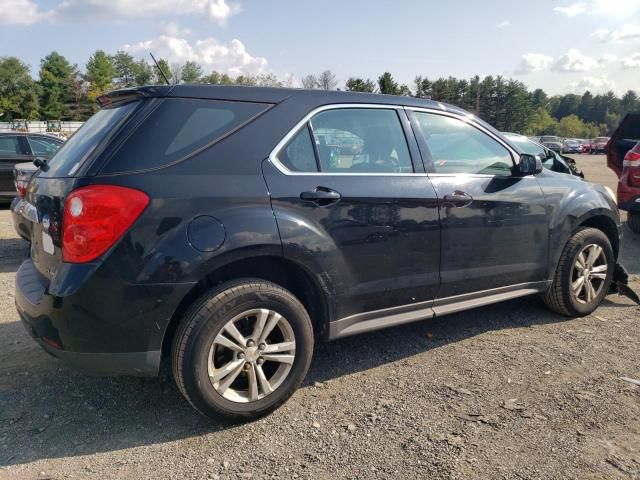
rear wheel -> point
(242, 350)
(633, 221)
(583, 274)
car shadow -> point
(12, 253)
(630, 251)
(48, 410)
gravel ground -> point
(506, 391)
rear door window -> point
(179, 128)
(43, 147)
(9, 146)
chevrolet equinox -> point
(227, 228)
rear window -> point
(178, 128)
(68, 159)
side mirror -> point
(529, 164)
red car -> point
(598, 145)
(623, 157)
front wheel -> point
(633, 221)
(583, 274)
(242, 350)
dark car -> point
(598, 145)
(19, 147)
(571, 146)
(552, 143)
(623, 157)
(550, 159)
(211, 225)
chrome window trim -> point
(468, 118)
(273, 156)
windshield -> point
(76, 150)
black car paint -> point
(391, 244)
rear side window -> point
(179, 128)
(81, 145)
(298, 155)
(43, 147)
(9, 146)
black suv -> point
(229, 227)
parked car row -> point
(227, 227)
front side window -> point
(361, 140)
(43, 147)
(455, 147)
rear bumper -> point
(93, 329)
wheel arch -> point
(277, 269)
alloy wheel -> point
(251, 355)
(589, 273)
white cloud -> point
(625, 32)
(607, 58)
(27, 12)
(593, 84)
(231, 57)
(572, 10)
(632, 61)
(623, 8)
(504, 23)
(533, 62)
(21, 12)
(574, 61)
(172, 29)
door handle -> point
(458, 199)
(321, 196)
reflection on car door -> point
(494, 223)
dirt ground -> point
(507, 391)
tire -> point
(197, 351)
(633, 220)
(560, 298)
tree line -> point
(62, 91)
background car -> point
(17, 147)
(623, 157)
(571, 146)
(552, 142)
(550, 159)
(598, 145)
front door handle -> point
(458, 199)
(321, 196)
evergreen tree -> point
(360, 85)
(56, 86)
(100, 73)
(18, 91)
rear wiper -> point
(41, 163)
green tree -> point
(56, 84)
(629, 102)
(124, 69)
(387, 85)
(191, 72)
(18, 92)
(163, 66)
(542, 123)
(359, 85)
(100, 73)
(571, 126)
(143, 73)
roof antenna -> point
(164, 75)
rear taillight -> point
(21, 187)
(631, 163)
(95, 217)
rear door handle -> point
(458, 199)
(321, 196)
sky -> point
(562, 46)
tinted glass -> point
(78, 148)
(361, 140)
(457, 147)
(298, 155)
(9, 146)
(43, 147)
(178, 128)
